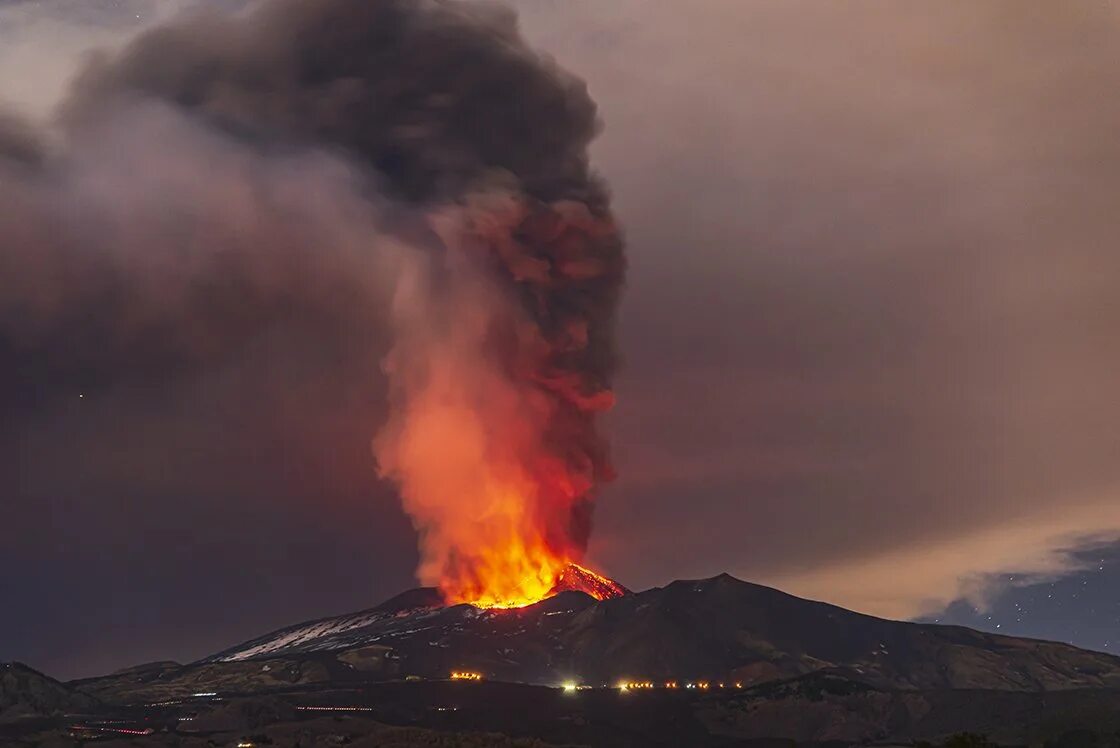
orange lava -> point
(510, 576)
(542, 584)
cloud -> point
(870, 308)
(44, 42)
(189, 249)
(925, 578)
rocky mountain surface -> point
(719, 629)
(766, 668)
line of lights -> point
(464, 675)
(701, 685)
(120, 730)
(635, 685)
(643, 685)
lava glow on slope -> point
(535, 587)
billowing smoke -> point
(500, 370)
(229, 172)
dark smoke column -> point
(504, 317)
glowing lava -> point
(576, 578)
(498, 376)
(507, 576)
(571, 578)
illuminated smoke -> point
(495, 392)
(503, 320)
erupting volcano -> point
(507, 263)
(504, 342)
(497, 381)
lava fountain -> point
(497, 379)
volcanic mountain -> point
(718, 629)
(778, 666)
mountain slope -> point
(716, 629)
(26, 692)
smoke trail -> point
(151, 238)
(503, 323)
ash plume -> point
(433, 95)
(229, 173)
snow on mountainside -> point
(399, 616)
(410, 613)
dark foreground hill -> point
(815, 711)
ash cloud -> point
(215, 226)
(419, 103)
(448, 107)
(434, 96)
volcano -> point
(594, 631)
(777, 666)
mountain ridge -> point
(715, 628)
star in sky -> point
(1082, 609)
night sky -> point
(1080, 608)
(868, 338)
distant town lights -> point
(465, 675)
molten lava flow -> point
(509, 576)
(571, 577)
(536, 586)
(576, 578)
